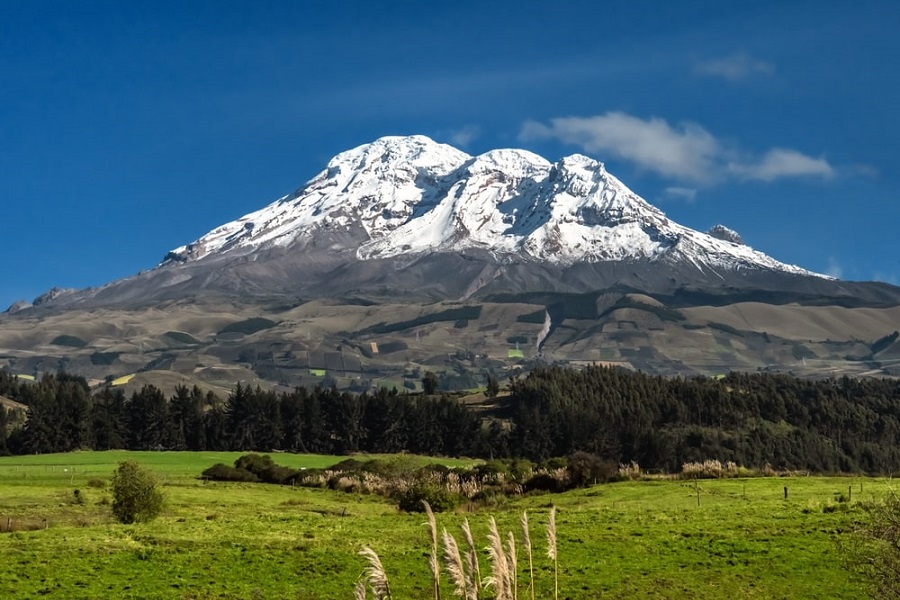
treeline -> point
(833, 425)
(754, 420)
(63, 416)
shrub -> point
(96, 483)
(221, 472)
(877, 554)
(543, 482)
(265, 468)
(439, 498)
(136, 497)
(584, 469)
(709, 469)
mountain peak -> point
(409, 195)
(392, 151)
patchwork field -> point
(736, 538)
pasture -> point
(738, 538)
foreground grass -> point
(216, 540)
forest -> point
(755, 420)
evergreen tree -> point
(186, 416)
(148, 419)
(109, 429)
(4, 424)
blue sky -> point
(130, 128)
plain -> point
(660, 538)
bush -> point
(439, 499)
(584, 469)
(221, 472)
(136, 497)
(543, 482)
(878, 553)
(265, 468)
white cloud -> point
(781, 162)
(734, 67)
(834, 268)
(682, 193)
(687, 152)
(464, 136)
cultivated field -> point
(649, 539)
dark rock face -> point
(720, 232)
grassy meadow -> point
(635, 539)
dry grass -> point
(433, 562)
(551, 550)
(526, 540)
(375, 575)
(463, 571)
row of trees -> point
(64, 416)
(831, 425)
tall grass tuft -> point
(472, 556)
(513, 565)
(433, 558)
(499, 578)
(376, 575)
(462, 584)
(551, 550)
(526, 540)
(462, 568)
(360, 592)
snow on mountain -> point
(410, 195)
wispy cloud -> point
(681, 193)
(735, 67)
(781, 162)
(464, 136)
(685, 152)
(834, 268)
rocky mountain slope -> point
(406, 217)
(408, 196)
(404, 255)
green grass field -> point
(645, 539)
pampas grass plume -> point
(433, 558)
(526, 540)
(376, 575)
(499, 578)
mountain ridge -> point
(404, 255)
(411, 195)
(408, 216)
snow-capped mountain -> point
(410, 196)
